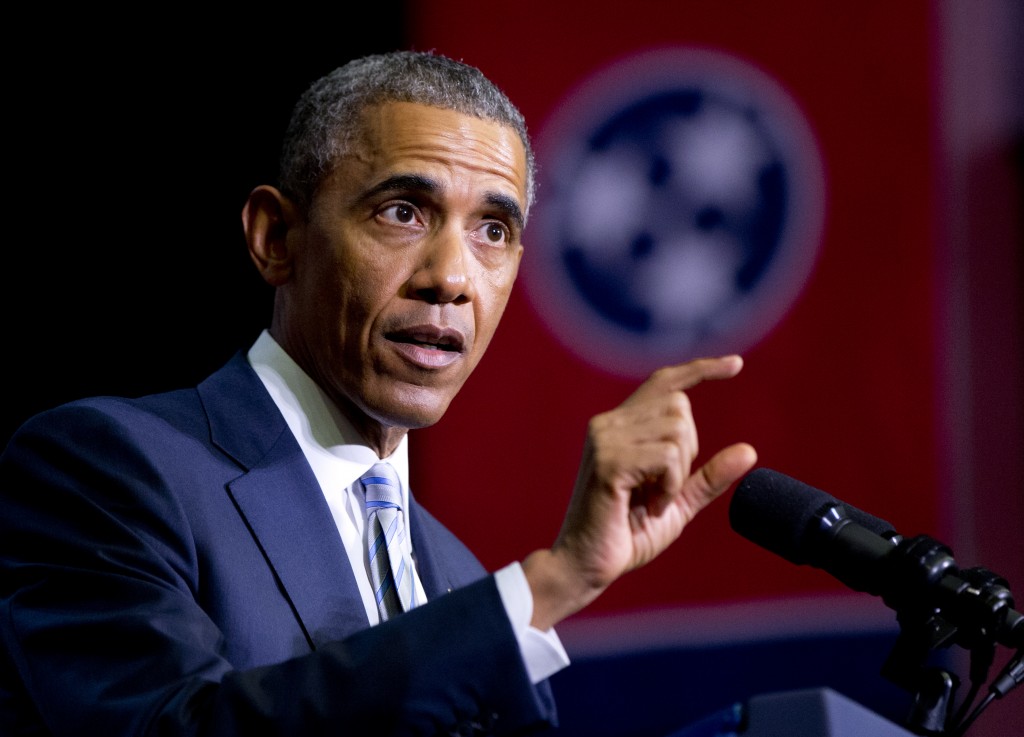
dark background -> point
(132, 145)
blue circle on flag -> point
(679, 212)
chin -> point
(416, 407)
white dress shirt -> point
(339, 456)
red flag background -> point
(849, 392)
(870, 386)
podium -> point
(818, 712)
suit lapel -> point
(442, 561)
(429, 562)
(283, 505)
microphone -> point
(806, 526)
(788, 518)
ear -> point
(267, 217)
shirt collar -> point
(335, 449)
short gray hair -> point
(328, 114)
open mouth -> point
(429, 338)
(428, 344)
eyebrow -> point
(417, 183)
(507, 205)
(403, 183)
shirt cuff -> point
(542, 652)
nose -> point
(442, 275)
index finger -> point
(686, 375)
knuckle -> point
(679, 404)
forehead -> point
(461, 150)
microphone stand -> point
(938, 606)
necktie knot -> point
(382, 487)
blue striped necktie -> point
(391, 570)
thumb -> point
(720, 472)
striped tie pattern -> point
(391, 570)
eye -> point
(398, 212)
(495, 233)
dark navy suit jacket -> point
(168, 565)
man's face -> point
(405, 263)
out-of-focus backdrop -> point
(832, 190)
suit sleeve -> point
(103, 631)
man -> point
(194, 562)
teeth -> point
(444, 345)
(432, 346)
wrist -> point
(559, 590)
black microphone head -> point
(778, 512)
(774, 510)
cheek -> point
(359, 303)
(494, 298)
(351, 286)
